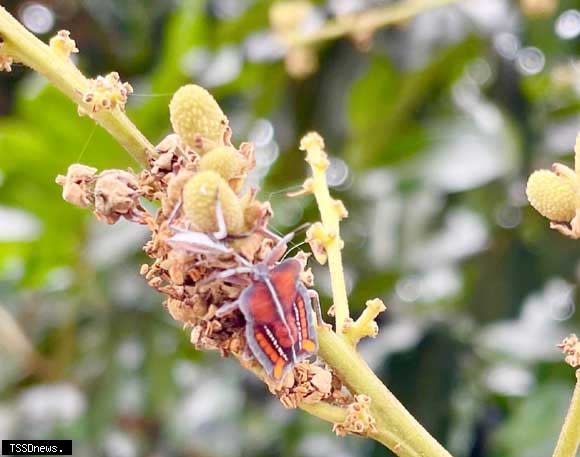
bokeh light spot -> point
(37, 18)
(568, 24)
(530, 61)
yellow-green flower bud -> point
(227, 162)
(553, 196)
(194, 112)
(200, 195)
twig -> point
(396, 427)
(331, 211)
(569, 440)
(324, 411)
(24, 47)
(369, 20)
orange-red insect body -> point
(280, 327)
(277, 307)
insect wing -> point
(307, 342)
(263, 331)
(279, 323)
(197, 242)
(297, 307)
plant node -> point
(365, 325)
(63, 44)
(318, 239)
(359, 420)
(105, 93)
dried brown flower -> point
(112, 194)
(359, 420)
(6, 60)
(117, 194)
(106, 93)
(310, 383)
(571, 348)
(187, 255)
(77, 185)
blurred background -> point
(432, 128)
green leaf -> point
(384, 106)
(534, 427)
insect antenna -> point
(283, 191)
(174, 212)
(293, 248)
(301, 228)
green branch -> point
(569, 440)
(366, 21)
(396, 427)
(24, 47)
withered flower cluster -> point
(358, 419)
(195, 171)
(571, 349)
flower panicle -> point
(205, 224)
(63, 44)
(359, 419)
(324, 237)
(182, 273)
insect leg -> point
(197, 242)
(225, 274)
(174, 212)
(315, 300)
(227, 308)
(278, 250)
